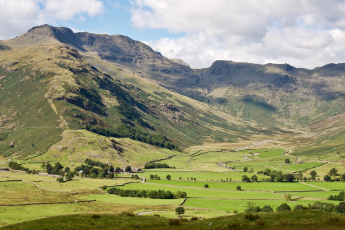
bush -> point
(235, 211)
(298, 207)
(206, 186)
(283, 207)
(104, 187)
(194, 218)
(174, 222)
(239, 188)
(59, 179)
(234, 225)
(95, 216)
(260, 223)
(287, 197)
(267, 208)
(251, 216)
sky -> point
(302, 33)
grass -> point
(200, 176)
(131, 200)
(207, 193)
(329, 185)
(78, 184)
(265, 186)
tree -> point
(279, 176)
(168, 177)
(298, 207)
(254, 178)
(272, 177)
(128, 169)
(341, 207)
(300, 175)
(239, 188)
(59, 179)
(326, 178)
(287, 161)
(117, 169)
(151, 176)
(69, 176)
(313, 175)
(206, 186)
(333, 172)
(289, 177)
(245, 178)
(245, 169)
(180, 210)
(283, 207)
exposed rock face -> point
(170, 107)
(179, 61)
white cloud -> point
(304, 33)
(17, 16)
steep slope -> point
(48, 87)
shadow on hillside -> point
(3, 47)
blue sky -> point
(303, 33)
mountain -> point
(51, 80)
(117, 85)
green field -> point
(209, 193)
(263, 186)
(200, 176)
(329, 185)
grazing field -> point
(300, 167)
(200, 176)
(323, 170)
(219, 157)
(78, 184)
(263, 186)
(24, 176)
(316, 194)
(131, 200)
(18, 192)
(329, 185)
(209, 193)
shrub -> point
(95, 216)
(104, 187)
(298, 207)
(59, 179)
(287, 161)
(235, 211)
(245, 178)
(327, 178)
(174, 222)
(156, 214)
(239, 188)
(234, 225)
(194, 218)
(267, 208)
(287, 197)
(283, 207)
(251, 216)
(206, 186)
(260, 223)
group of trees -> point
(125, 130)
(274, 176)
(339, 197)
(252, 208)
(156, 165)
(328, 207)
(155, 177)
(153, 194)
(58, 169)
(334, 175)
(15, 166)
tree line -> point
(15, 166)
(125, 130)
(156, 165)
(153, 194)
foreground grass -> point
(307, 219)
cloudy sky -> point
(303, 33)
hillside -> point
(48, 87)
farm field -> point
(78, 184)
(200, 176)
(329, 185)
(263, 186)
(207, 193)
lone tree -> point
(69, 176)
(239, 188)
(59, 179)
(168, 177)
(254, 178)
(341, 208)
(128, 169)
(313, 175)
(179, 210)
(245, 169)
(287, 161)
(289, 177)
(206, 186)
(287, 197)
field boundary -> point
(71, 202)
